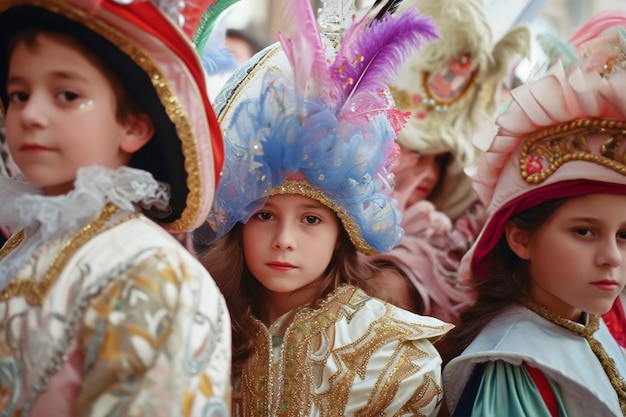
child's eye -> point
(312, 219)
(67, 96)
(18, 97)
(583, 231)
(621, 234)
(263, 215)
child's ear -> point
(139, 130)
(518, 240)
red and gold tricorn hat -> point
(152, 54)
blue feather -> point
(218, 60)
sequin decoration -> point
(545, 151)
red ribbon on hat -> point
(190, 13)
(147, 17)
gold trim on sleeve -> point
(35, 291)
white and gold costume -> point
(354, 355)
(102, 311)
(108, 317)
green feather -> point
(207, 23)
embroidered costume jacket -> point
(113, 318)
(583, 364)
(353, 356)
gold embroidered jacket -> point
(354, 356)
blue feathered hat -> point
(307, 116)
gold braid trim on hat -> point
(608, 364)
(305, 189)
(426, 102)
(545, 151)
(441, 104)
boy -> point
(102, 312)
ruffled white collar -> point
(44, 218)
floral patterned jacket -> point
(114, 319)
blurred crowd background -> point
(260, 20)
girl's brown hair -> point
(506, 283)
(243, 293)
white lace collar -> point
(43, 218)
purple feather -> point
(370, 56)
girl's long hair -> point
(243, 293)
(506, 283)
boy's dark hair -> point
(126, 105)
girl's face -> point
(287, 246)
(61, 115)
(577, 256)
(416, 176)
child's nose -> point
(284, 237)
(430, 174)
(611, 253)
(33, 111)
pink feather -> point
(303, 46)
(597, 25)
(372, 49)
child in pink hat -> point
(551, 258)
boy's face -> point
(61, 115)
